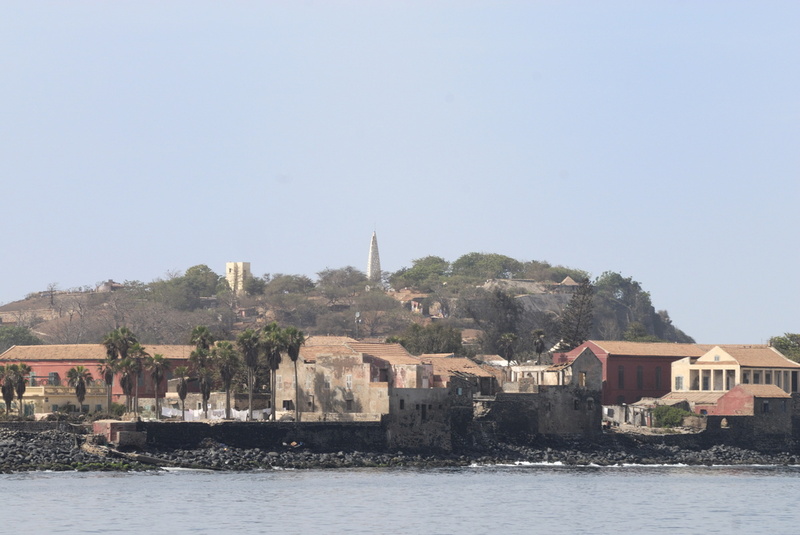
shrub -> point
(667, 416)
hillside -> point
(491, 293)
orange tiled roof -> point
(91, 352)
(761, 356)
(652, 349)
(765, 391)
(327, 340)
(694, 396)
(391, 353)
(456, 365)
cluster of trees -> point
(13, 381)
(788, 344)
(230, 365)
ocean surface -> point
(545, 499)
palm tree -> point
(205, 377)
(227, 362)
(272, 346)
(78, 377)
(158, 366)
(139, 356)
(538, 344)
(506, 344)
(107, 369)
(7, 381)
(181, 372)
(201, 338)
(127, 375)
(119, 342)
(249, 346)
(21, 384)
(201, 361)
(294, 339)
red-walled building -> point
(634, 370)
(50, 364)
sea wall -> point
(319, 436)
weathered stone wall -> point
(319, 436)
(40, 426)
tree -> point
(227, 361)
(7, 385)
(425, 274)
(107, 368)
(438, 337)
(127, 376)
(506, 344)
(340, 286)
(201, 361)
(139, 356)
(182, 372)
(158, 367)
(483, 266)
(201, 338)
(294, 341)
(21, 374)
(538, 344)
(78, 378)
(249, 345)
(119, 342)
(272, 346)
(576, 320)
(496, 313)
(788, 345)
(11, 335)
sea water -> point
(545, 499)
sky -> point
(655, 139)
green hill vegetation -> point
(503, 305)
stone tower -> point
(374, 263)
(236, 273)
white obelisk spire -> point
(374, 263)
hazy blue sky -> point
(656, 139)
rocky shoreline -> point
(59, 451)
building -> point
(634, 370)
(447, 367)
(237, 273)
(50, 364)
(724, 367)
(339, 378)
(563, 401)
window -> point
(349, 381)
(621, 376)
(402, 404)
(679, 382)
(52, 379)
(582, 379)
(576, 404)
(639, 377)
(767, 378)
(746, 378)
(349, 405)
(765, 406)
(327, 382)
(706, 380)
(278, 382)
(98, 408)
(716, 358)
(288, 405)
(783, 406)
(589, 404)
(658, 377)
(756, 378)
